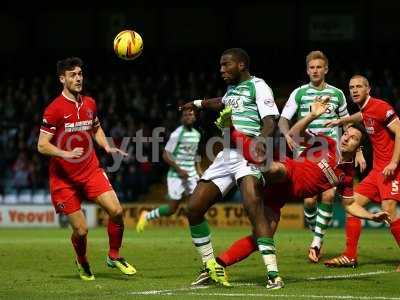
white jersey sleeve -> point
(265, 100)
(342, 109)
(173, 140)
(290, 107)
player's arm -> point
(355, 209)
(45, 147)
(169, 159)
(212, 103)
(354, 118)
(317, 108)
(284, 121)
(101, 139)
(394, 127)
(199, 169)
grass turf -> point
(38, 264)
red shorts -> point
(67, 195)
(377, 189)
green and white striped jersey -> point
(251, 101)
(300, 100)
(183, 144)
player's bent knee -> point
(81, 231)
(116, 212)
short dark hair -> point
(364, 134)
(240, 55)
(68, 64)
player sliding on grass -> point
(180, 154)
(319, 168)
(69, 123)
(253, 113)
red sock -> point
(115, 233)
(79, 243)
(238, 251)
(395, 229)
(353, 231)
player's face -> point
(359, 90)
(350, 140)
(317, 70)
(230, 69)
(188, 117)
(73, 80)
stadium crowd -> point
(126, 103)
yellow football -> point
(128, 44)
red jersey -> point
(377, 115)
(71, 125)
(318, 169)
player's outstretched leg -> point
(238, 251)
(162, 211)
(349, 257)
(203, 197)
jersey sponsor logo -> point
(78, 126)
(235, 102)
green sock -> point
(310, 216)
(324, 217)
(201, 238)
(266, 246)
(162, 211)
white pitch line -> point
(190, 290)
(349, 275)
(274, 295)
(266, 294)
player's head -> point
(317, 66)
(234, 62)
(353, 137)
(188, 117)
(69, 71)
(359, 89)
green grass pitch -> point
(38, 264)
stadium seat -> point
(10, 198)
(25, 196)
(39, 197)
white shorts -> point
(227, 168)
(177, 187)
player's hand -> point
(381, 216)
(75, 153)
(319, 106)
(333, 123)
(360, 161)
(187, 106)
(291, 142)
(183, 174)
(111, 150)
(260, 151)
(388, 171)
